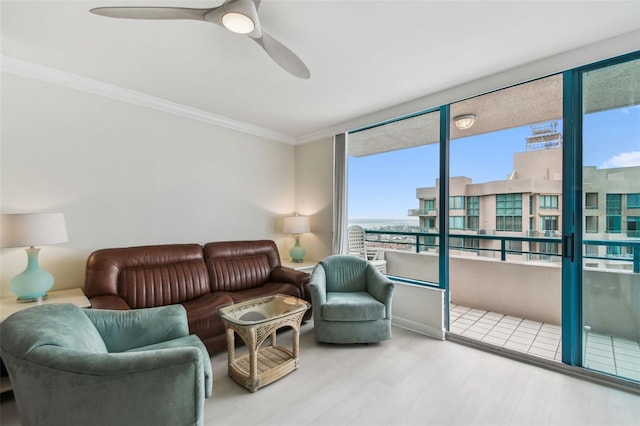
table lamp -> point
(29, 230)
(296, 225)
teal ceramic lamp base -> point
(33, 283)
(297, 252)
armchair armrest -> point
(380, 287)
(318, 288)
(124, 330)
(156, 387)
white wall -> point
(314, 195)
(128, 175)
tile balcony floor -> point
(608, 354)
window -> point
(430, 222)
(591, 224)
(619, 251)
(456, 222)
(591, 250)
(509, 212)
(633, 201)
(513, 246)
(429, 204)
(456, 203)
(549, 223)
(549, 202)
(633, 226)
(614, 213)
(591, 200)
(531, 198)
(456, 242)
(473, 213)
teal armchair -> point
(71, 366)
(351, 301)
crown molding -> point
(19, 67)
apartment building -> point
(528, 203)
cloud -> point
(626, 159)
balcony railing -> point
(536, 248)
(421, 212)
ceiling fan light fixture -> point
(465, 121)
(238, 22)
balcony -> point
(421, 212)
(506, 291)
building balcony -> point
(422, 212)
(512, 298)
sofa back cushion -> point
(148, 276)
(240, 265)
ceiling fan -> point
(238, 16)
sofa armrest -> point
(282, 274)
(109, 302)
(125, 330)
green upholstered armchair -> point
(351, 301)
(71, 366)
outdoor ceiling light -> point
(238, 22)
(464, 121)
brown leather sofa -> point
(200, 278)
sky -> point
(384, 185)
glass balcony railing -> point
(421, 212)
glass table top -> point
(262, 309)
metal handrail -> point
(421, 244)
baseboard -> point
(419, 328)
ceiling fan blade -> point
(284, 57)
(152, 12)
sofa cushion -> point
(359, 306)
(240, 265)
(202, 317)
(159, 285)
(148, 276)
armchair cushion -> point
(358, 306)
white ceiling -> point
(364, 56)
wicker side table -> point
(255, 320)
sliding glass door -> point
(611, 219)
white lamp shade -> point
(296, 225)
(33, 229)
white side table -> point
(304, 266)
(10, 305)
